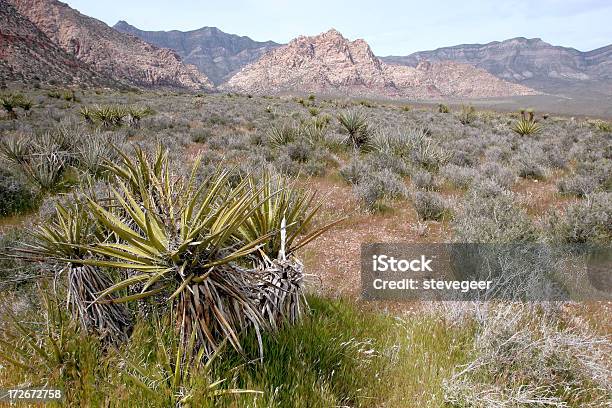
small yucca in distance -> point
(467, 114)
(527, 124)
(11, 101)
(442, 108)
(356, 126)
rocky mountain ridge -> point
(532, 62)
(113, 54)
(27, 54)
(329, 63)
(217, 54)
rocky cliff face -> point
(109, 52)
(216, 54)
(329, 63)
(27, 54)
(521, 60)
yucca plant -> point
(315, 130)
(42, 158)
(467, 114)
(88, 114)
(93, 154)
(177, 239)
(442, 108)
(286, 215)
(136, 114)
(282, 135)
(11, 101)
(109, 116)
(356, 126)
(526, 125)
(63, 239)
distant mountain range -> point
(28, 55)
(531, 62)
(114, 55)
(329, 63)
(217, 54)
(47, 40)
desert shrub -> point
(385, 161)
(578, 184)
(486, 188)
(442, 108)
(355, 125)
(467, 114)
(378, 186)
(299, 151)
(491, 218)
(430, 206)
(201, 135)
(599, 170)
(524, 356)
(355, 170)
(423, 180)
(497, 153)
(300, 157)
(15, 196)
(458, 176)
(555, 156)
(585, 221)
(498, 173)
(528, 163)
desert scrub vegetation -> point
(490, 184)
(15, 195)
(525, 355)
(11, 101)
(113, 116)
(336, 355)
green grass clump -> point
(338, 355)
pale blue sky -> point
(390, 27)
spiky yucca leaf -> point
(179, 239)
(526, 127)
(356, 126)
(281, 207)
(64, 239)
